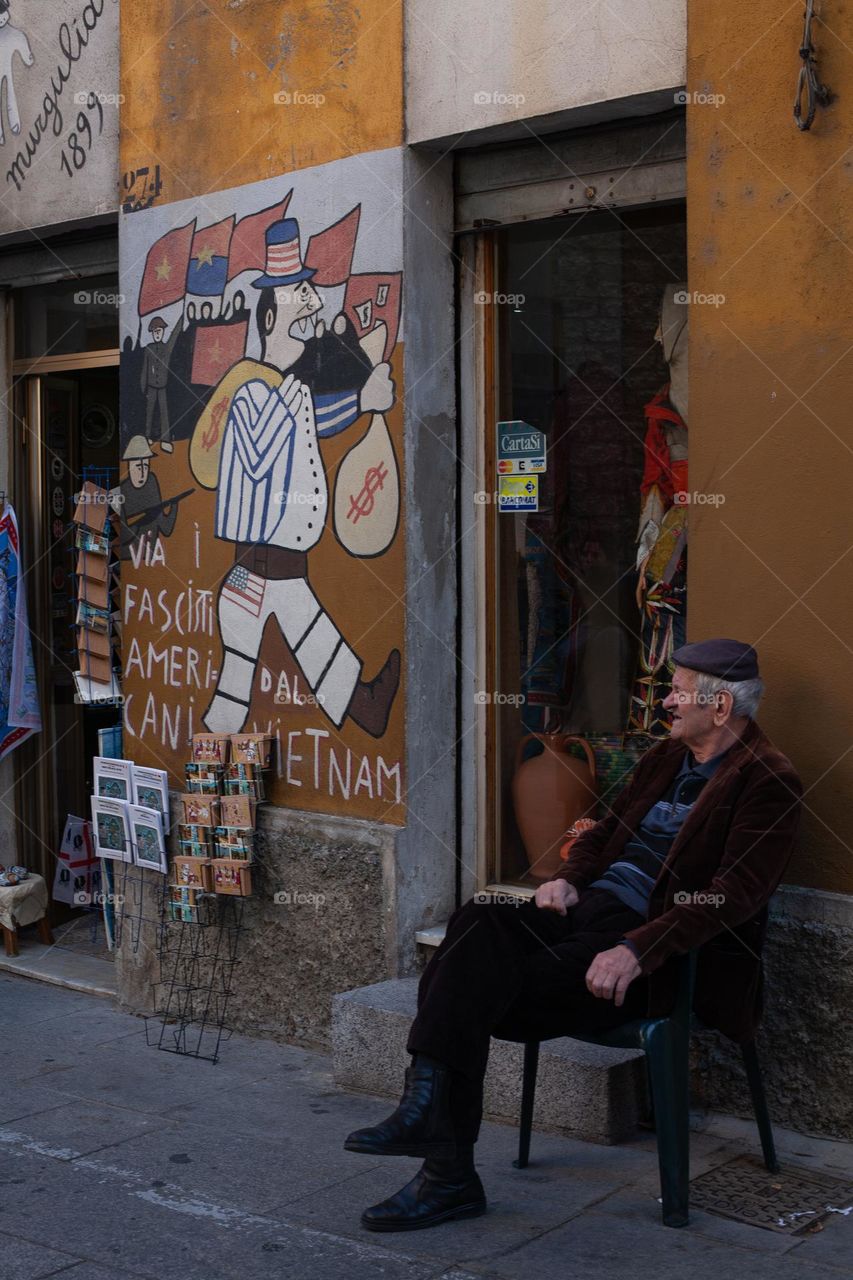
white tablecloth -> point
(23, 903)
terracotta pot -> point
(550, 791)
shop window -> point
(67, 318)
(580, 357)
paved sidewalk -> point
(117, 1160)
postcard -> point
(146, 833)
(110, 826)
(151, 788)
(114, 778)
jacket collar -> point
(741, 754)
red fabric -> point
(330, 252)
(670, 477)
(248, 244)
(165, 275)
(213, 240)
(217, 349)
(729, 857)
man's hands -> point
(556, 895)
(611, 973)
(377, 394)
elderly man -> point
(688, 856)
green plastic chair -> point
(666, 1044)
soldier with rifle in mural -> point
(141, 508)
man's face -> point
(4, 18)
(296, 306)
(692, 716)
(157, 334)
(138, 471)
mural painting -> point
(260, 496)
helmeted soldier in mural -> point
(155, 377)
(143, 513)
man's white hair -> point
(746, 694)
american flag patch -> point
(244, 589)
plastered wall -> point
(770, 225)
(491, 62)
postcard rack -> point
(197, 960)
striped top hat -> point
(284, 256)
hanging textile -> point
(662, 563)
(19, 709)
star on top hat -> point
(284, 256)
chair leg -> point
(528, 1095)
(667, 1051)
(759, 1104)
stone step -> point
(583, 1091)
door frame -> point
(479, 399)
(34, 808)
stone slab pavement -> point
(119, 1161)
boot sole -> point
(475, 1210)
(441, 1150)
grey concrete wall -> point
(806, 1040)
(495, 62)
(423, 887)
(323, 934)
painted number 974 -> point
(74, 153)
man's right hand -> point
(556, 895)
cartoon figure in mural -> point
(662, 534)
(141, 508)
(155, 376)
(256, 443)
(12, 41)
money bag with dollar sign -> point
(367, 489)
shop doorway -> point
(568, 355)
(66, 424)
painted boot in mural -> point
(372, 700)
(441, 1190)
(422, 1125)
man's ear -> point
(725, 702)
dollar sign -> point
(374, 478)
(211, 435)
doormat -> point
(790, 1201)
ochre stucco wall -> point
(201, 78)
(770, 223)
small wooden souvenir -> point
(232, 876)
(251, 748)
(194, 873)
(201, 811)
(236, 811)
(212, 747)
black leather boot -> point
(440, 1191)
(422, 1124)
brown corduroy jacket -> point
(713, 889)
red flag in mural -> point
(165, 273)
(217, 348)
(248, 244)
(375, 299)
(330, 252)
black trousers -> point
(517, 973)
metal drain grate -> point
(789, 1201)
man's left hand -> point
(377, 394)
(611, 973)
